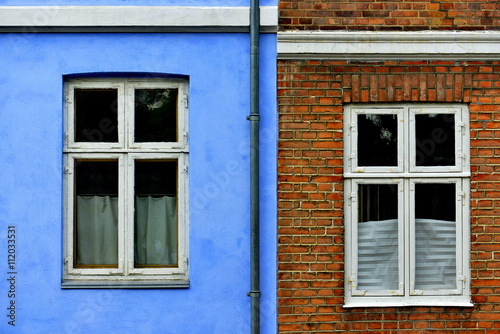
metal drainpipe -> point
(254, 119)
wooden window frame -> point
(405, 176)
(126, 152)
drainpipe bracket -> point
(254, 294)
(254, 117)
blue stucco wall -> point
(32, 67)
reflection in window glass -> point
(377, 140)
(435, 236)
(96, 216)
(96, 117)
(155, 236)
(435, 140)
(378, 237)
(156, 115)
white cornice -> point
(376, 46)
(34, 19)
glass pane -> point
(435, 140)
(96, 117)
(96, 213)
(155, 237)
(378, 237)
(377, 140)
(155, 115)
(435, 236)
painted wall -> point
(31, 197)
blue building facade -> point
(46, 48)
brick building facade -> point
(334, 54)
(405, 15)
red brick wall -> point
(310, 190)
(389, 14)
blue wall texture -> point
(32, 67)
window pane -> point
(96, 213)
(378, 237)
(435, 139)
(155, 115)
(155, 238)
(377, 140)
(96, 117)
(435, 236)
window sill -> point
(73, 284)
(437, 302)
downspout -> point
(254, 119)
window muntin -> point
(428, 224)
(133, 195)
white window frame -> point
(406, 176)
(126, 152)
(352, 138)
(460, 156)
(353, 202)
(460, 198)
(69, 100)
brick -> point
(416, 15)
(310, 189)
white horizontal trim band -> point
(14, 18)
(370, 45)
(413, 175)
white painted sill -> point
(161, 284)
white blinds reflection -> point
(435, 255)
(97, 230)
(155, 230)
(435, 249)
(378, 255)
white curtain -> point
(97, 230)
(155, 230)
(435, 254)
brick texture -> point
(408, 15)
(311, 95)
